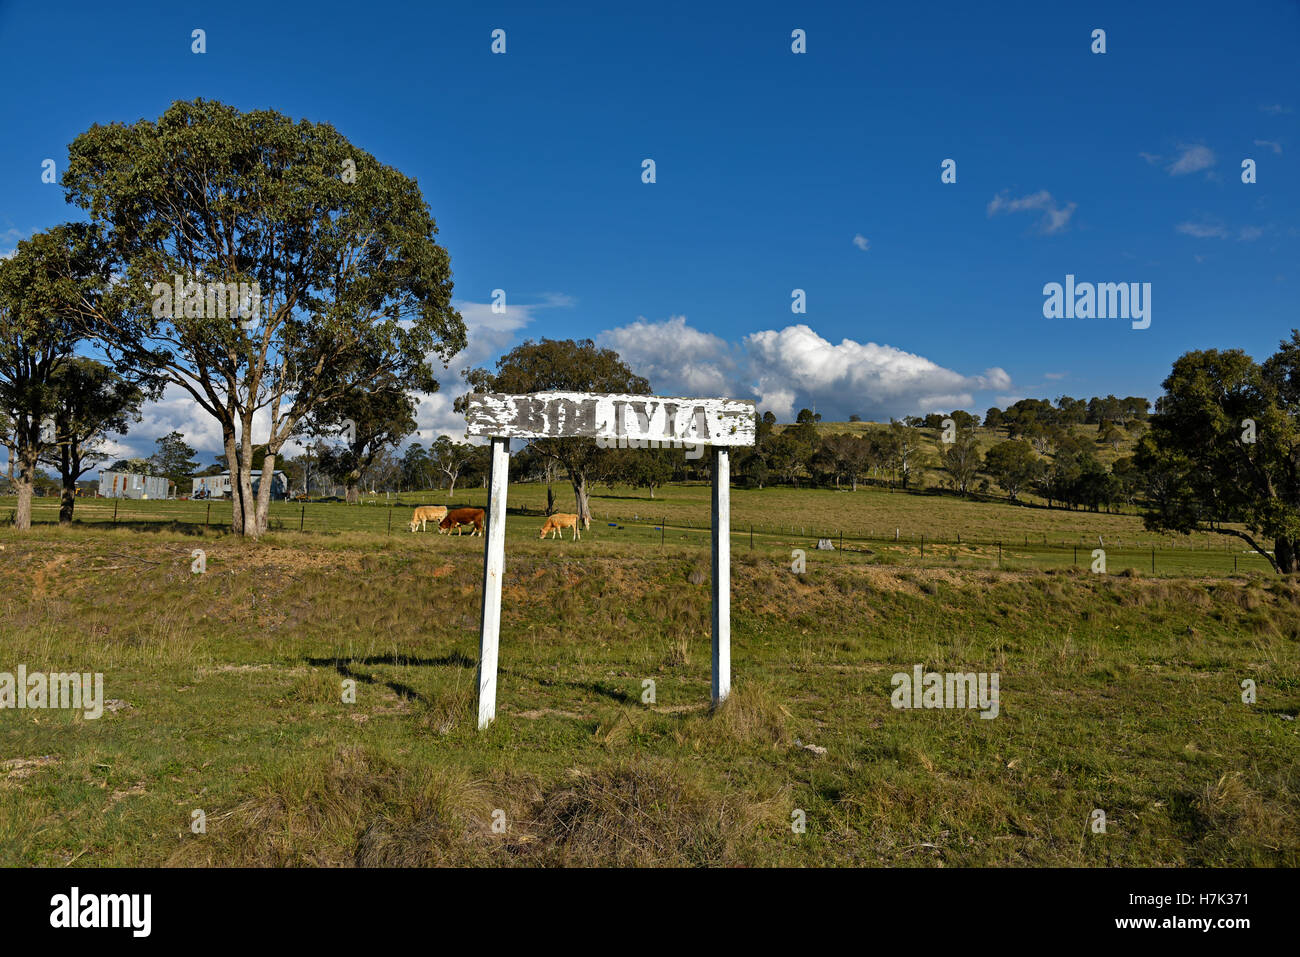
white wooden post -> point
(494, 561)
(721, 574)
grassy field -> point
(1118, 692)
(957, 532)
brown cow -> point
(462, 516)
(556, 524)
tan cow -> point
(462, 516)
(428, 513)
(556, 525)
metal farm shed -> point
(130, 485)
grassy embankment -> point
(1119, 693)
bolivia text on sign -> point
(554, 415)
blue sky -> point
(1115, 167)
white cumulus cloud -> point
(795, 367)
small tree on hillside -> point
(1013, 466)
(961, 460)
(904, 450)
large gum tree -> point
(352, 286)
(1223, 452)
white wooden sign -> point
(720, 423)
(553, 415)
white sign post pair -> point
(718, 423)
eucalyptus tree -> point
(89, 401)
(47, 288)
(269, 267)
(369, 421)
(1223, 452)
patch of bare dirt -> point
(16, 769)
(536, 713)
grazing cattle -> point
(428, 513)
(557, 523)
(462, 516)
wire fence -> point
(1196, 555)
(1150, 554)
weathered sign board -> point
(719, 423)
(554, 415)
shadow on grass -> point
(182, 528)
(345, 667)
(596, 687)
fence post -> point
(302, 518)
(114, 511)
(390, 521)
(208, 520)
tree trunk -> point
(68, 473)
(351, 492)
(264, 493)
(247, 505)
(1284, 553)
(26, 476)
(451, 488)
(580, 494)
(232, 462)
